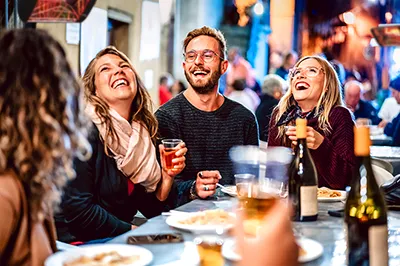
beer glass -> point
(209, 247)
(261, 177)
(170, 148)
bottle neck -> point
(301, 146)
(368, 179)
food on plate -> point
(231, 189)
(210, 217)
(111, 258)
(302, 251)
(324, 192)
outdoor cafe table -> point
(389, 154)
(327, 230)
(381, 140)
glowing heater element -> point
(55, 10)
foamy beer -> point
(170, 148)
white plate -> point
(312, 248)
(175, 220)
(230, 190)
(375, 130)
(59, 258)
(328, 199)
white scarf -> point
(135, 155)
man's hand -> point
(206, 183)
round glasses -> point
(308, 71)
(206, 55)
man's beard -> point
(209, 86)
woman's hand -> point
(178, 161)
(167, 175)
(314, 138)
(264, 250)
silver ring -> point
(206, 188)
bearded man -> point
(208, 122)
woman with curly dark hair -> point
(123, 175)
(41, 130)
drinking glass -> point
(170, 148)
(209, 247)
(260, 181)
(363, 122)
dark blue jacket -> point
(393, 129)
(366, 110)
(282, 72)
(96, 203)
(263, 114)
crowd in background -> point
(240, 84)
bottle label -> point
(378, 245)
(308, 201)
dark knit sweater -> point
(334, 158)
(208, 137)
(96, 203)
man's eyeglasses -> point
(308, 71)
(206, 55)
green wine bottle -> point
(365, 211)
(303, 178)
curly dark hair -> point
(41, 127)
(141, 107)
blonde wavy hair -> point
(141, 107)
(41, 127)
(331, 96)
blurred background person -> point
(340, 71)
(360, 108)
(275, 62)
(41, 130)
(273, 88)
(163, 90)
(123, 176)
(393, 128)
(241, 94)
(391, 106)
(177, 87)
(315, 94)
(239, 68)
(288, 62)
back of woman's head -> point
(41, 126)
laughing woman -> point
(123, 175)
(315, 94)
